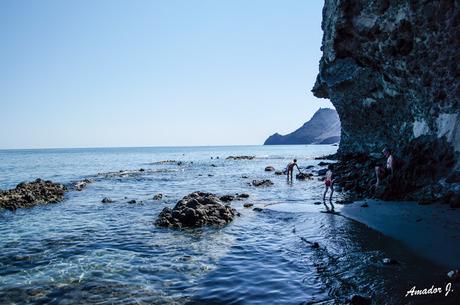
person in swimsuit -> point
(382, 172)
(290, 168)
(329, 184)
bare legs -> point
(330, 197)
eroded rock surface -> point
(392, 71)
(29, 194)
(265, 182)
(196, 210)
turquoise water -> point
(81, 251)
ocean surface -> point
(82, 251)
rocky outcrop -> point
(240, 157)
(29, 194)
(392, 71)
(196, 210)
(322, 128)
(265, 182)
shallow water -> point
(84, 251)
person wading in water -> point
(329, 184)
(290, 169)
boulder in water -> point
(322, 172)
(32, 193)
(303, 176)
(158, 196)
(227, 198)
(265, 182)
(269, 169)
(106, 200)
(196, 210)
(80, 185)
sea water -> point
(82, 251)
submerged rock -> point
(303, 176)
(242, 196)
(240, 157)
(269, 169)
(158, 196)
(265, 182)
(106, 200)
(80, 185)
(29, 194)
(248, 205)
(196, 210)
(227, 198)
(322, 172)
(279, 173)
(132, 201)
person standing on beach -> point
(329, 184)
(290, 168)
(382, 172)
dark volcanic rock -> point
(106, 200)
(279, 173)
(303, 176)
(242, 196)
(248, 205)
(240, 158)
(391, 69)
(196, 210)
(80, 185)
(227, 198)
(265, 182)
(269, 169)
(322, 128)
(158, 196)
(32, 193)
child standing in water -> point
(329, 183)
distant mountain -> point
(323, 128)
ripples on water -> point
(83, 251)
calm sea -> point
(81, 251)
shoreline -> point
(428, 230)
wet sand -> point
(432, 231)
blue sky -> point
(150, 73)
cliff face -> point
(322, 128)
(391, 68)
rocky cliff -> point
(322, 128)
(391, 68)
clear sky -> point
(149, 73)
